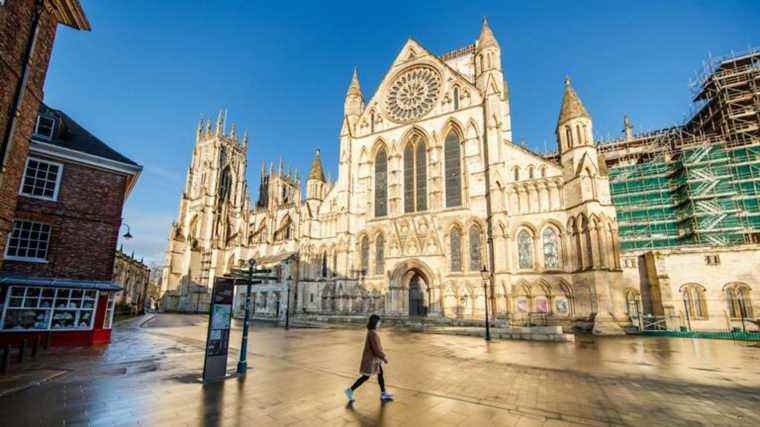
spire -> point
(263, 168)
(245, 138)
(220, 122)
(233, 131)
(316, 168)
(354, 88)
(486, 35)
(627, 127)
(572, 107)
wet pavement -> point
(149, 376)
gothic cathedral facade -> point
(434, 212)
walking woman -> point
(373, 358)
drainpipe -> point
(20, 91)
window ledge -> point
(32, 196)
(25, 259)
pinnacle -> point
(572, 107)
(316, 168)
(354, 88)
(486, 35)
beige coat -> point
(373, 355)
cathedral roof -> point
(316, 168)
(572, 107)
(354, 88)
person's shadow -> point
(368, 419)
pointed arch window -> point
(456, 97)
(421, 171)
(381, 183)
(550, 242)
(455, 247)
(409, 178)
(569, 136)
(739, 303)
(694, 301)
(453, 166)
(517, 173)
(365, 254)
(415, 175)
(334, 263)
(324, 264)
(372, 121)
(224, 185)
(379, 254)
(525, 249)
(531, 172)
(476, 252)
(580, 136)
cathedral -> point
(435, 211)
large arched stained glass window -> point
(455, 246)
(525, 249)
(409, 178)
(476, 254)
(453, 170)
(694, 301)
(365, 254)
(381, 183)
(550, 242)
(379, 254)
(421, 165)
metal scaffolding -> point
(697, 183)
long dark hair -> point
(373, 321)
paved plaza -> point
(149, 376)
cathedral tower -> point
(212, 206)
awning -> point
(59, 283)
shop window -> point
(28, 241)
(41, 179)
(33, 308)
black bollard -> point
(6, 359)
(35, 346)
(21, 349)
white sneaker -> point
(349, 394)
(386, 396)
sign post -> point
(218, 337)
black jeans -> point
(364, 378)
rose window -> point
(413, 94)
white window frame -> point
(37, 126)
(51, 310)
(110, 305)
(57, 179)
(27, 259)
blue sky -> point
(148, 71)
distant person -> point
(373, 358)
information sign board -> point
(218, 337)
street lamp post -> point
(242, 360)
(485, 275)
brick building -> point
(134, 276)
(27, 33)
(59, 258)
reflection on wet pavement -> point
(149, 375)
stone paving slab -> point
(149, 376)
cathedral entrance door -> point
(417, 303)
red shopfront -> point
(71, 312)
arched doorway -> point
(417, 298)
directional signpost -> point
(248, 278)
